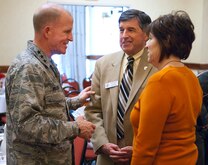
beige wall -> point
(194, 8)
(15, 27)
(16, 22)
(204, 37)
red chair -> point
(86, 82)
(90, 155)
(70, 91)
(70, 86)
(2, 83)
(2, 115)
(83, 154)
(82, 151)
(63, 77)
(72, 82)
(79, 148)
(2, 75)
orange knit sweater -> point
(164, 119)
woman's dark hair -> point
(143, 19)
(175, 34)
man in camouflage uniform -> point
(38, 130)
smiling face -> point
(154, 50)
(60, 34)
(132, 38)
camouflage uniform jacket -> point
(38, 130)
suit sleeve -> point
(93, 111)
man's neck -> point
(42, 46)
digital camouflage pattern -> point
(38, 130)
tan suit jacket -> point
(102, 110)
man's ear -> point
(47, 31)
(146, 37)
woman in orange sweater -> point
(164, 118)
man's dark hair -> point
(143, 19)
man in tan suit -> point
(103, 107)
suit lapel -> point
(142, 72)
(114, 76)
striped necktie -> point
(125, 88)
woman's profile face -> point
(154, 50)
